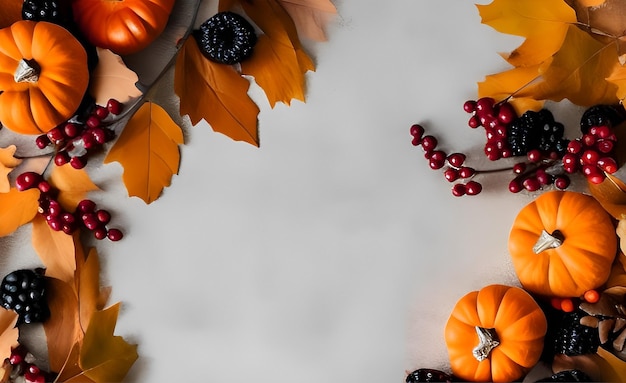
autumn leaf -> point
(7, 163)
(560, 58)
(73, 185)
(9, 332)
(279, 62)
(55, 249)
(111, 78)
(310, 16)
(16, 209)
(148, 151)
(90, 293)
(215, 93)
(105, 357)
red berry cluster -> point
(593, 154)
(74, 139)
(22, 367)
(538, 172)
(495, 119)
(455, 168)
(86, 215)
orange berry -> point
(567, 305)
(591, 296)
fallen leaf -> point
(111, 78)
(9, 333)
(71, 372)
(62, 329)
(105, 357)
(73, 185)
(310, 16)
(17, 208)
(279, 62)
(55, 249)
(215, 93)
(148, 151)
(89, 291)
(8, 162)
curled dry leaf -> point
(72, 184)
(55, 249)
(8, 162)
(17, 208)
(148, 151)
(112, 79)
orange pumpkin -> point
(562, 244)
(43, 76)
(123, 26)
(495, 334)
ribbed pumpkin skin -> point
(583, 262)
(35, 108)
(519, 323)
(123, 26)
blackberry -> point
(599, 115)
(428, 375)
(227, 38)
(572, 338)
(24, 291)
(536, 130)
(568, 376)
(43, 10)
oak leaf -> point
(561, 57)
(279, 62)
(17, 208)
(148, 151)
(215, 93)
(55, 249)
(310, 16)
(105, 357)
(8, 162)
(111, 78)
(73, 185)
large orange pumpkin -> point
(495, 334)
(123, 26)
(562, 244)
(43, 76)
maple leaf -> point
(561, 56)
(105, 357)
(215, 93)
(17, 208)
(7, 163)
(111, 78)
(310, 16)
(72, 184)
(148, 151)
(279, 62)
(55, 249)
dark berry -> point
(227, 38)
(24, 292)
(43, 10)
(536, 131)
(428, 375)
(602, 115)
(572, 338)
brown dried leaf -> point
(55, 249)
(73, 185)
(112, 79)
(8, 162)
(89, 288)
(589, 321)
(605, 328)
(16, 209)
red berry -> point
(601, 131)
(515, 186)
(473, 188)
(608, 165)
(417, 131)
(473, 122)
(55, 223)
(506, 113)
(469, 106)
(100, 233)
(561, 182)
(101, 112)
(86, 206)
(114, 106)
(506, 153)
(429, 143)
(534, 155)
(570, 162)
(588, 139)
(89, 141)
(78, 162)
(456, 159)
(458, 190)
(42, 141)
(519, 168)
(71, 129)
(466, 172)
(543, 177)
(27, 180)
(115, 234)
(100, 135)
(56, 135)
(415, 141)
(590, 157)
(103, 216)
(485, 104)
(92, 121)
(451, 174)
(61, 158)
(44, 186)
(90, 221)
(604, 146)
(531, 184)
(435, 164)
(574, 147)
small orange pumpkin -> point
(123, 26)
(562, 244)
(495, 334)
(43, 76)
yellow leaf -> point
(72, 184)
(279, 62)
(105, 357)
(55, 249)
(509, 84)
(310, 16)
(148, 151)
(62, 328)
(7, 163)
(216, 93)
(112, 79)
(89, 292)
(16, 209)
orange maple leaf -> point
(216, 93)
(148, 151)
(8, 162)
(310, 16)
(17, 208)
(563, 55)
(112, 79)
(55, 249)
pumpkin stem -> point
(548, 241)
(488, 340)
(27, 71)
